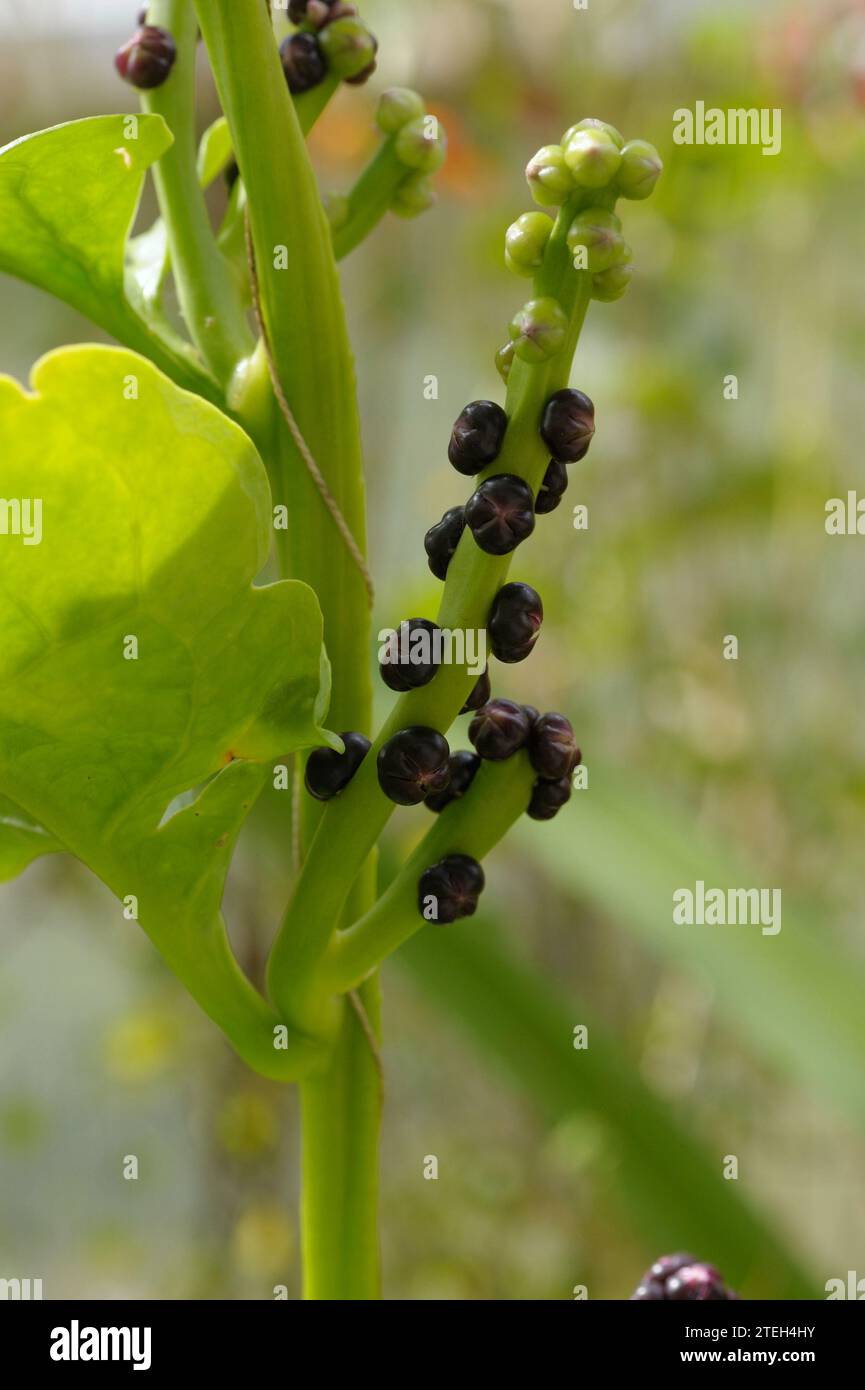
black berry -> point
(681, 1277)
(553, 751)
(328, 772)
(553, 488)
(480, 694)
(147, 59)
(455, 884)
(477, 437)
(413, 765)
(501, 513)
(441, 540)
(515, 622)
(568, 425)
(499, 729)
(463, 766)
(303, 62)
(409, 661)
(532, 715)
(548, 798)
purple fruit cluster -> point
(681, 1278)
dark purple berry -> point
(328, 772)
(147, 59)
(568, 425)
(455, 884)
(441, 540)
(477, 437)
(670, 1264)
(499, 729)
(532, 715)
(553, 488)
(553, 751)
(413, 765)
(649, 1289)
(302, 62)
(700, 1283)
(409, 659)
(501, 513)
(515, 622)
(548, 798)
(463, 766)
(480, 694)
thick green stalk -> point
(209, 295)
(355, 820)
(370, 198)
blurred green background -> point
(556, 1167)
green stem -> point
(354, 821)
(370, 199)
(209, 296)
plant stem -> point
(209, 296)
(370, 198)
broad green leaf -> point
(21, 840)
(795, 997)
(665, 1175)
(137, 660)
(68, 197)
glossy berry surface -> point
(680, 1278)
(480, 694)
(553, 751)
(413, 765)
(303, 62)
(409, 661)
(515, 622)
(463, 766)
(552, 489)
(568, 425)
(329, 772)
(501, 513)
(499, 730)
(147, 59)
(477, 437)
(455, 883)
(441, 540)
(548, 798)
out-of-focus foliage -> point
(706, 519)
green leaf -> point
(21, 840)
(214, 151)
(624, 847)
(137, 659)
(665, 1175)
(68, 197)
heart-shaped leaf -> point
(137, 660)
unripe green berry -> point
(592, 157)
(611, 284)
(640, 169)
(505, 360)
(539, 330)
(421, 144)
(348, 46)
(525, 242)
(396, 107)
(414, 196)
(549, 178)
(598, 235)
(591, 123)
(336, 209)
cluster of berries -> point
(681, 1277)
(332, 39)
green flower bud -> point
(505, 360)
(549, 177)
(640, 169)
(591, 123)
(348, 46)
(526, 241)
(539, 330)
(396, 107)
(598, 234)
(414, 196)
(336, 209)
(611, 284)
(592, 157)
(421, 144)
